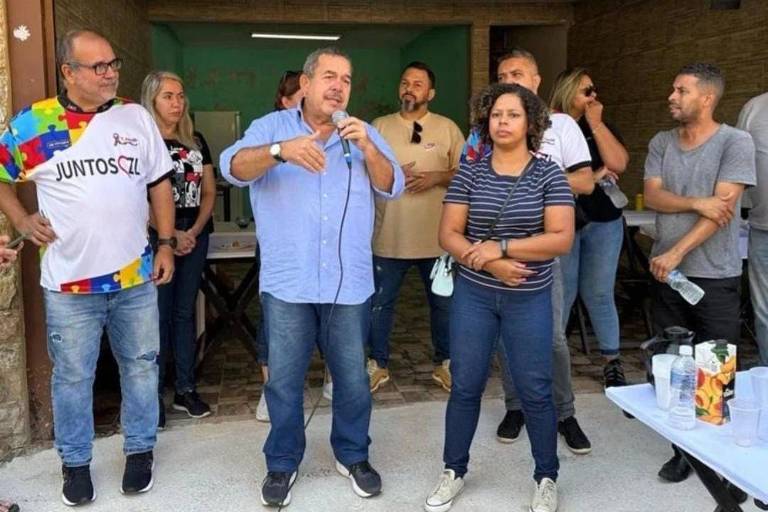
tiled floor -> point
(230, 381)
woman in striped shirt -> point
(505, 217)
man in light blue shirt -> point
(314, 221)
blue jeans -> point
(176, 302)
(758, 287)
(562, 387)
(524, 321)
(388, 274)
(75, 324)
(291, 332)
(589, 271)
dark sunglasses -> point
(416, 135)
(589, 91)
(100, 68)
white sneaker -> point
(262, 413)
(447, 489)
(327, 386)
(545, 496)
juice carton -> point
(715, 380)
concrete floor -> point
(218, 467)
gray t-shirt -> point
(754, 119)
(728, 156)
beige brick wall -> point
(14, 414)
(634, 49)
(124, 23)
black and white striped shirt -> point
(479, 186)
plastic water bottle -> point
(682, 411)
(614, 193)
(691, 292)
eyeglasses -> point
(416, 135)
(100, 68)
(589, 90)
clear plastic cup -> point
(745, 416)
(662, 367)
(759, 378)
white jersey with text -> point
(92, 171)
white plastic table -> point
(710, 445)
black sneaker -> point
(161, 414)
(366, 482)
(575, 438)
(276, 488)
(613, 374)
(78, 488)
(510, 427)
(138, 473)
(191, 403)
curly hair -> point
(536, 112)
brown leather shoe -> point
(442, 375)
(377, 375)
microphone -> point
(337, 118)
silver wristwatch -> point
(504, 243)
(275, 150)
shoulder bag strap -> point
(506, 201)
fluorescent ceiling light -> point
(304, 37)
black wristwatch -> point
(504, 243)
(171, 242)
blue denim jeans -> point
(562, 387)
(291, 332)
(758, 287)
(524, 321)
(589, 271)
(75, 324)
(388, 274)
(176, 302)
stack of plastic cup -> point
(759, 377)
(745, 417)
(662, 367)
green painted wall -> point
(221, 78)
(227, 77)
(166, 50)
(224, 77)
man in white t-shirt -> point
(94, 159)
(754, 119)
(564, 143)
